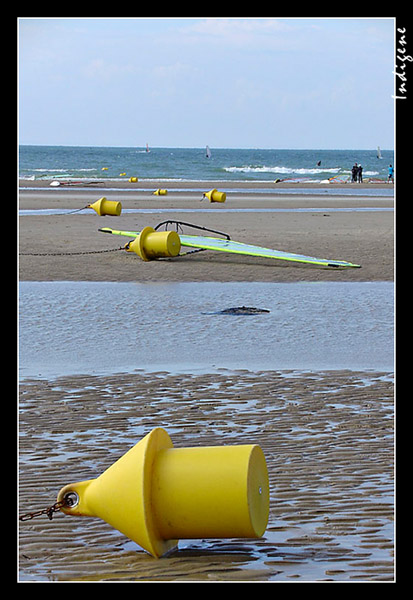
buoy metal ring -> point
(71, 499)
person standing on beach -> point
(354, 172)
(360, 174)
(391, 173)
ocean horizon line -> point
(143, 146)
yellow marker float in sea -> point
(156, 494)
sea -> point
(93, 163)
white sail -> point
(208, 152)
(379, 152)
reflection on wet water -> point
(102, 328)
(157, 210)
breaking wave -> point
(280, 170)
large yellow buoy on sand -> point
(151, 244)
(106, 207)
(156, 494)
(160, 192)
(215, 196)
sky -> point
(317, 83)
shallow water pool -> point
(105, 327)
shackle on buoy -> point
(106, 207)
(156, 494)
(160, 192)
(215, 196)
(151, 244)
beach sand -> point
(327, 436)
(365, 238)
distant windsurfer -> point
(319, 163)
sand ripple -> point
(327, 438)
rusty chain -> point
(95, 252)
(70, 253)
(67, 501)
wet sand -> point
(328, 442)
(73, 249)
(327, 436)
(153, 184)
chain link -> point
(70, 253)
(68, 501)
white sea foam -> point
(280, 170)
(183, 164)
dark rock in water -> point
(243, 310)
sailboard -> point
(227, 245)
(80, 183)
(339, 179)
(379, 152)
(208, 152)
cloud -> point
(100, 69)
(239, 29)
(241, 34)
(246, 79)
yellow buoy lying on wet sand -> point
(155, 493)
(106, 207)
(160, 192)
(215, 196)
(151, 244)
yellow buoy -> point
(151, 244)
(160, 192)
(122, 174)
(155, 493)
(215, 196)
(106, 207)
(133, 179)
(104, 168)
